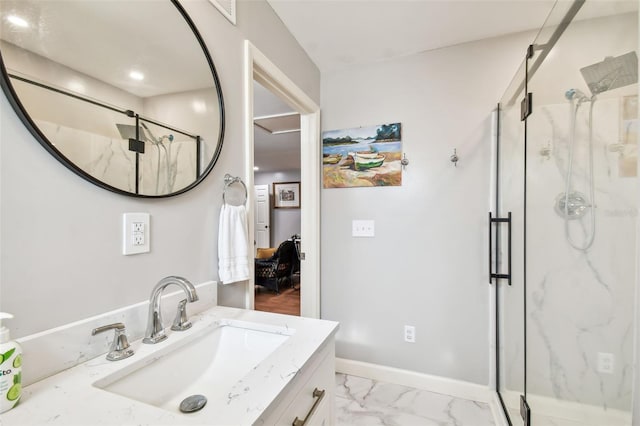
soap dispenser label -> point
(10, 378)
(7, 355)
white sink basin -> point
(208, 363)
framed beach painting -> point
(286, 195)
(362, 156)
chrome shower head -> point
(575, 94)
(611, 73)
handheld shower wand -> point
(572, 204)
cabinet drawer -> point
(315, 400)
(296, 400)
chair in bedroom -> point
(271, 273)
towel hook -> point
(404, 161)
(230, 180)
(454, 158)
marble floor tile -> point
(366, 402)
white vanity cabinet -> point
(310, 397)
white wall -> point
(61, 244)
(284, 222)
(427, 264)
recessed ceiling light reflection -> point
(256, 168)
(76, 86)
(136, 75)
(199, 106)
(18, 21)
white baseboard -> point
(443, 385)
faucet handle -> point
(181, 322)
(120, 346)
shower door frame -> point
(526, 110)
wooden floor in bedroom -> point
(287, 302)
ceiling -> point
(338, 34)
(106, 40)
(273, 152)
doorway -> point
(259, 69)
(277, 222)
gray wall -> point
(426, 266)
(61, 236)
(284, 222)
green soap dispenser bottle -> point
(10, 368)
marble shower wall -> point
(164, 168)
(168, 166)
(106, 158)
(580, 302)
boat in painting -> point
(364, 161)
(331, 158)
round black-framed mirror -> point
(124, 94)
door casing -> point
(259, 68)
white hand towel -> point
(233, 253)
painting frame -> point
(286, 195)
(365, 156)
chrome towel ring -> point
(230, 180)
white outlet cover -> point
(606, 363)
(140, 231)
(409, 334)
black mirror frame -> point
(20, 110)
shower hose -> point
(591, 235)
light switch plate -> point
(363, 228)
(135, 233)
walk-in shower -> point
(128, 132)
(611, 73)
(567, 176)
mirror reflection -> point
(123, 93)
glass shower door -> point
(509, 186)
(581, 208)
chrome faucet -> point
(155, 328)
(120, 348)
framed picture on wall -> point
(286, 195)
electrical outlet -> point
(606, 362)
(135, 236)
(137, 229)
(409, 334)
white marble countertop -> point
(70, 398)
